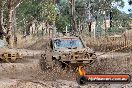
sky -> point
(126, 7)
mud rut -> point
(28, 71)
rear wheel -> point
(46, 62)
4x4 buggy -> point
(66, 51)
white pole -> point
(66, 29)
(94, 34)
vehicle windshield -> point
(2, 43)
(68, 43)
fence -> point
(121, 42)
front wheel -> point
(93, 59)
(81, 80)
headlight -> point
(64, 55)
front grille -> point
(66, 56)
(75, 56)
(2, 55)
(80, 55)
(9, 55)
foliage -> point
(38, 10)
(62, 22)
(63, 18)
(120, 19)
(130, 2)
(48, 11)
(115, 30)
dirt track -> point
(26, 73)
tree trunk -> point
(15, 28)
(105, 24)
(73, 19)
(79, 27)
(89, 27)
(96, 25)
(2, 33)
(9, 37)
(29, 24)
(89, 17)
(110, 19)
(46, 24)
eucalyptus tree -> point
(87, 10)
(26, 13)
(1, 30)
(11, 17)
(100, 10)
(130, 2)
(38, 10)
(63, 18)
(19, 14)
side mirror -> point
(6, 44)
(91, 50)
(85, 44)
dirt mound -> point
(39, 44)
(108, 48)
(128, 33)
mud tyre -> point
(46, 63)
(81, 80)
